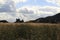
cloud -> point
(25, 11)
(54, 2)
(17, 1)
(38, 9)
(34, 12)
(6, 16)
(8, 6)
(8, 9)
(2, 1)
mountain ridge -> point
(49, 19)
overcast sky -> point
(28, 9)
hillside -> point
(49, 19)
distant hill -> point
(49, 19)
(3, 21)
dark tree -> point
(19, 21)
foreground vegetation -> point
(29, 31)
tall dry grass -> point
(29, 31)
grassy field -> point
(29, 31)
